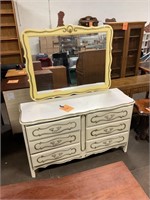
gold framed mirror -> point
(88, 52)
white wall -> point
(43, 14)
(122, 10)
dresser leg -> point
(33, 174)
(125, 148)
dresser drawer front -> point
(53, 128)
(55, 142)
(108, 116)
(56, 156)
(107, 142)
(107, 129)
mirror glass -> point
(67, 60)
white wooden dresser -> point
(98, 122)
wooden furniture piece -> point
(14, 72)
(112, 181)
(61, 15)
(60, 130)
(84, 72)
(73, 123)
(143, 109)
(88, 21)
(10, 43)
(126, 52)
(144, 67)
(37, 65)
(44, 79)
(110, 20)
(15, 90)
(132, 85)
(59, 76)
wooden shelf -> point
(134, 36)
(118, 37)
(133, 50)
(3, 53)
(8, 25)
(126, 49)
(130, 74)
(115, 68)
(10, 44)
(117, 51)
(6, 12)
(8, 38)
(131, 67)
(115, 75)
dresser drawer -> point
(109, 116)
(107, 142)
(52, 128)
(60, 155)
(55, 142)
(107, 129)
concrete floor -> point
(15, 168)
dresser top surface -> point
(42, 111)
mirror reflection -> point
(66, 61)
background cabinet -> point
(10, 44)
(126, 48)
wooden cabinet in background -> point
(126, 48)
(9, 38)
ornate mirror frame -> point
(65, 31)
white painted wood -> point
(83, 132)
(54, 136)
(110, 141)
(54, 142)
(56, 155)
(28, 153)
(50, 109)
(107, 129)
(109, 116)
(54, 128)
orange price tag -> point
(66, 108)
(148, 109)
(21, 72)
(90, 23)
(12, 81)
(125, 26)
